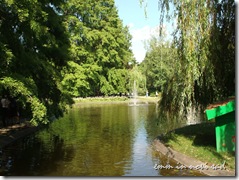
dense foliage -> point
(100, 49)
(53, 50)
(159, 64)
(33, 47)
(205, 60)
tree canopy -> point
(33, 47)
(159, 64)
(100, 49)
(52, 51)
(205, 43)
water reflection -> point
(142, 159)
(91, 140)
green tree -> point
(52, 51)
(205, 41)
(137, 81)
(98, 39)
(77, 78)
(159, 63)
(34, 48)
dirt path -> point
(11, 133)
(189, 162)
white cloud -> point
(130, 25)
(139, 37)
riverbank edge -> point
(188, 161)
(20, 131)
(12, 133)
(115, 99)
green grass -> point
(114, 99)
(198, 141)
(100, 99)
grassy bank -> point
(100, 99)
(114, 99)
(199, 141)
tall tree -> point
(137, 81)
(33, 47)
(159, 63)
(98, 41)
(205, 40)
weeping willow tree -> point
(136, 81)
(205, 40)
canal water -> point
(93, 139)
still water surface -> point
(93, 139)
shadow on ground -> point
(202, 134)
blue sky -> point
(130, 11)
(141, 27)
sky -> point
(141, 27)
